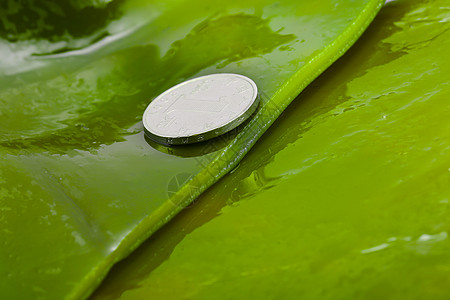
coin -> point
(200, 109)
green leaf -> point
(345, 197)
(80, 186)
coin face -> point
(200, 109)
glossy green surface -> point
(80, 187)
(346, 196)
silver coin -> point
(200, 109)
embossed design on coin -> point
(200, 109)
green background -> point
(345, 196)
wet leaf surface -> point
(80, 186)
(345, 197)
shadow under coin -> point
(200, 148)
(194, 150)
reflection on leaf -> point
(98, 104)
